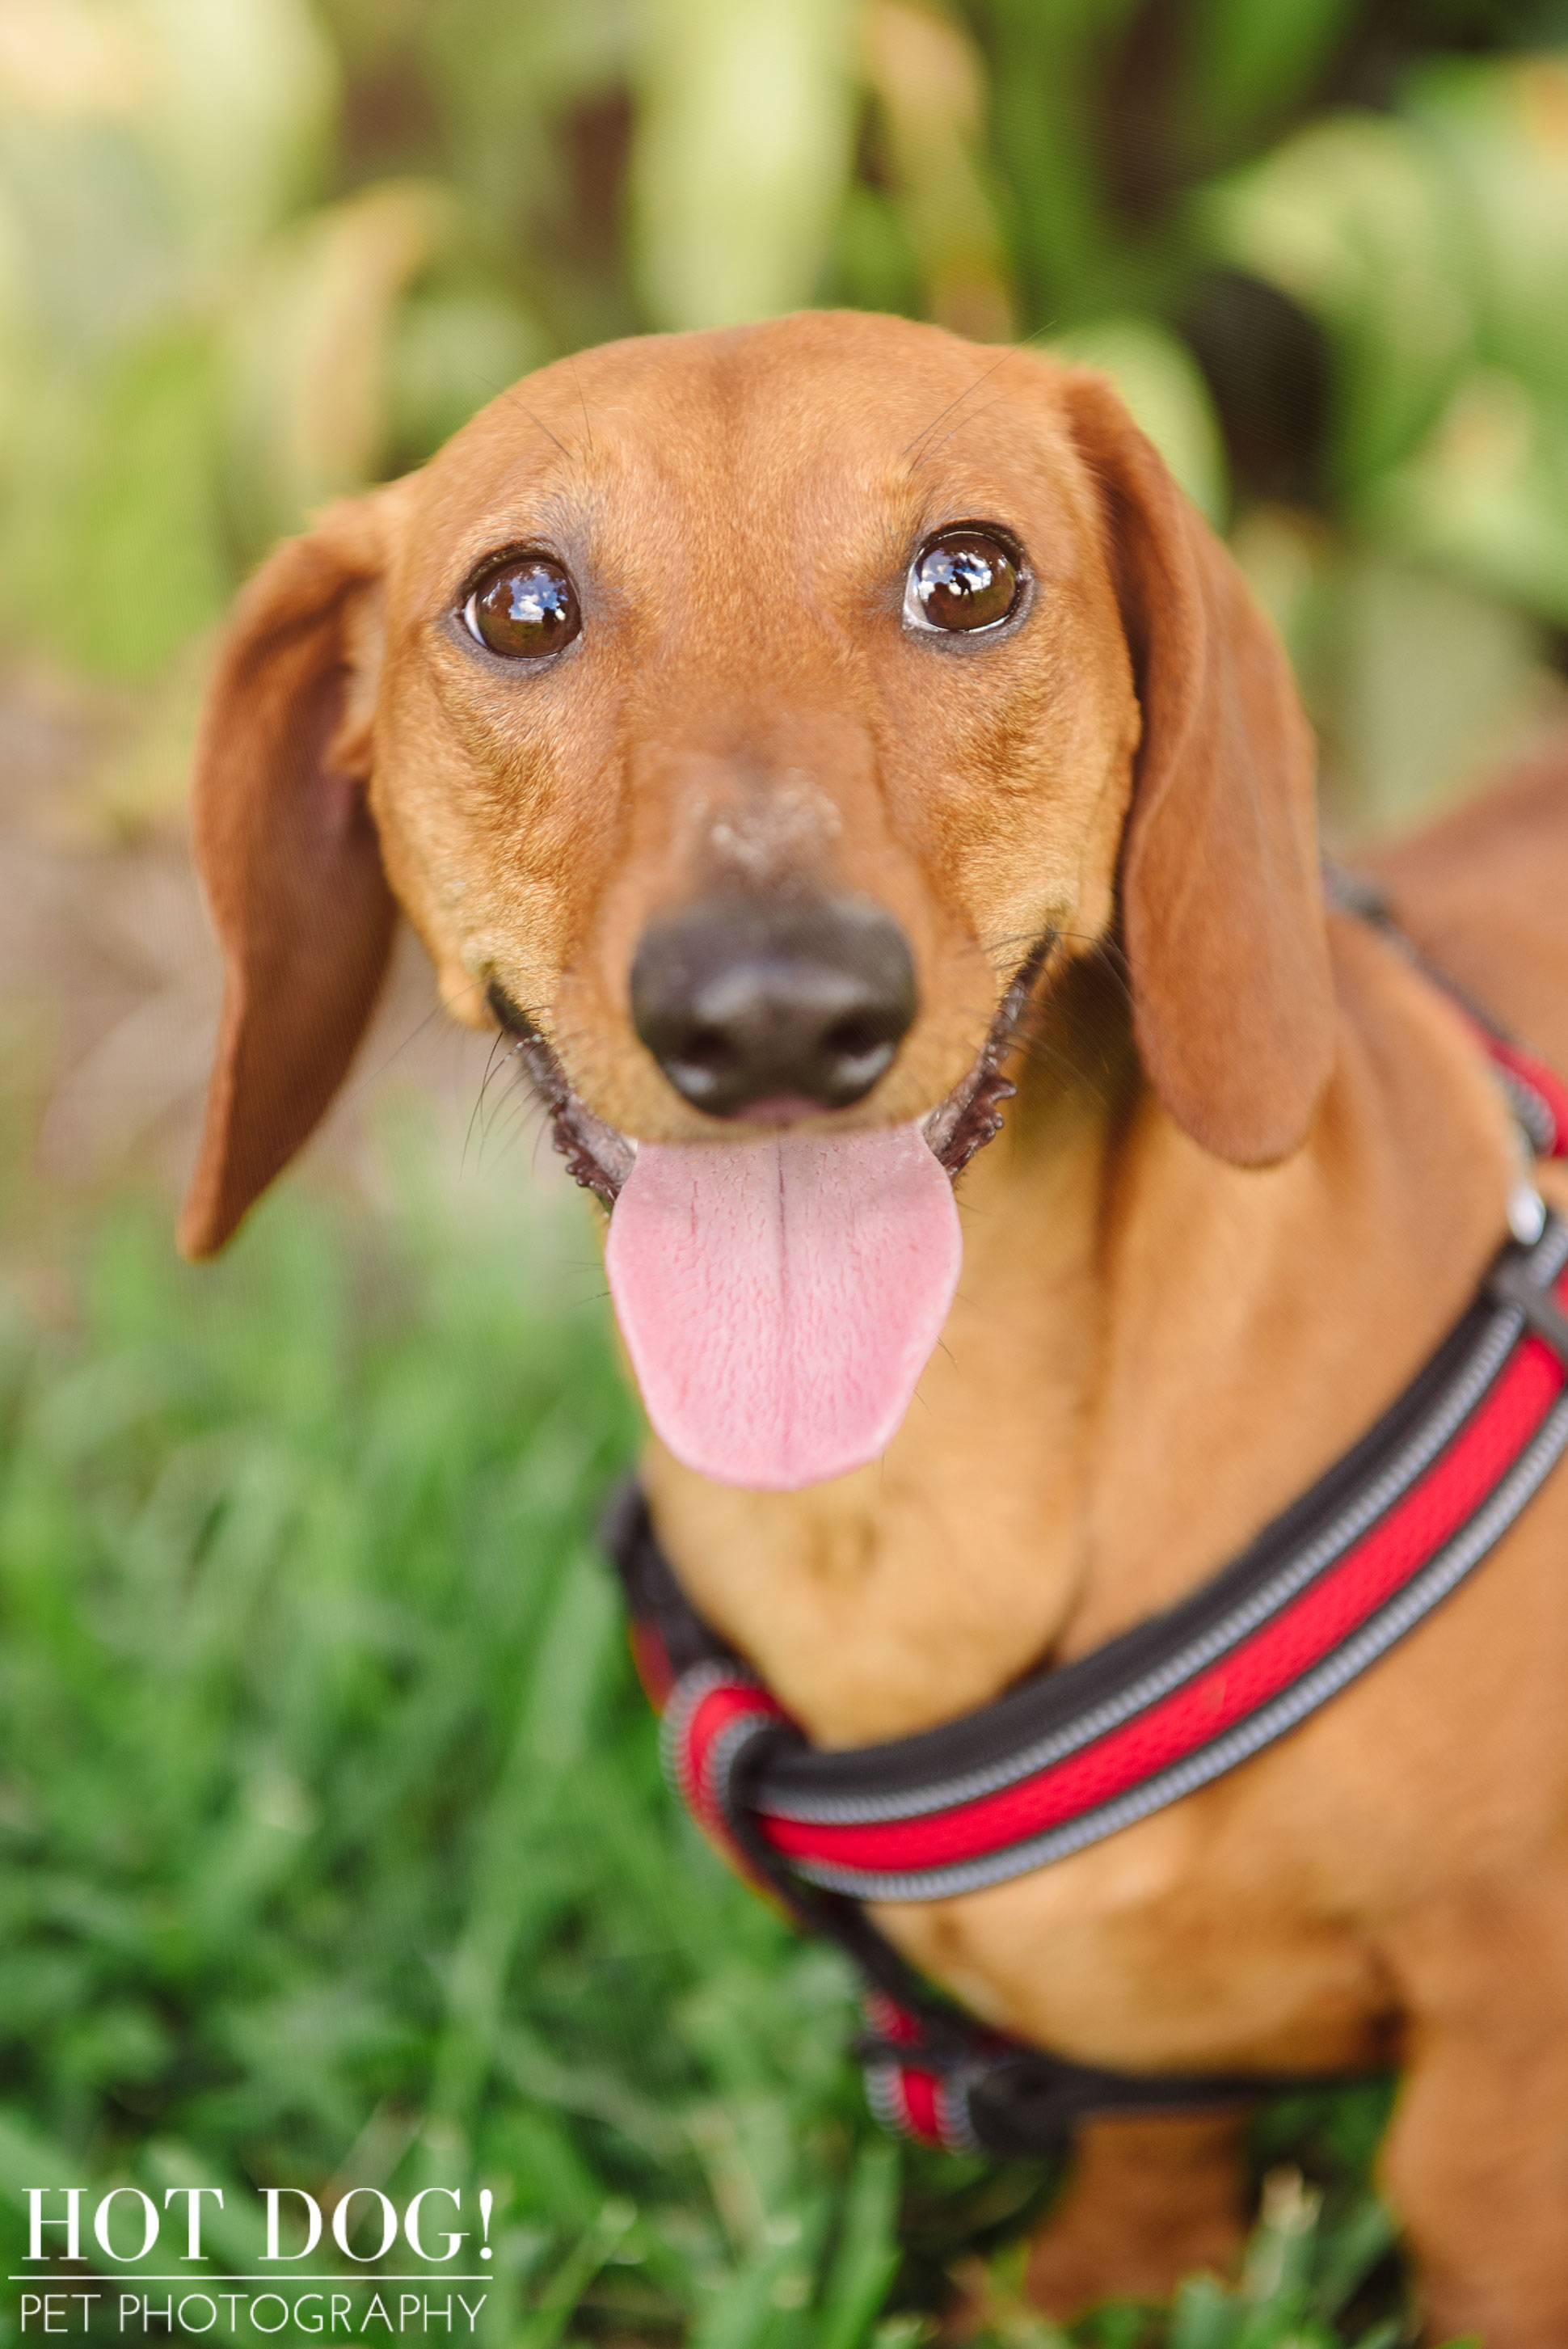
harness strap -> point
(1071, 1758)
(1320, 1596)
(931, 2072)
(1534, 1093)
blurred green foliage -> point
(253, 254)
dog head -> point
(738, 716)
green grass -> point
(336, 1847)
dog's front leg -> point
(1476, 2164)
(1146, 2202)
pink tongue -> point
(779, 1298)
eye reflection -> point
(524, 608)
(963, 581)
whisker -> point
(945, 412)
(538, 1140)
(368, 1076)
(523, 409)
(506, 1128)
(1011, 352)
(496, 1044)
(1048, 1056)
(587, 428)
(522, 1135)
(504, 391)
(1106, 952)
(972, 417)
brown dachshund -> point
(738, 714)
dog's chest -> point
(1170, 1946)
(874, 1614)
(917, 1588)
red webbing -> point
(1540, 1080)
(1276, 1655)
(919, 2100)
(718, 1709)
(909, 2095)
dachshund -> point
(782, 731)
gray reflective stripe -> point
(684, 1700)
(1531, 1107)
(1425, 1590)
(1376, 1499)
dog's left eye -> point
(965, 579)
(523, 608)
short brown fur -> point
(1219, 1234)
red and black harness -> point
(1065, 1759)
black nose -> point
(741, 1000)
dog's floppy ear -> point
(1221, 897)
(288, 857)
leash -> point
(1067, 1758)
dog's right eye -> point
(523, 608)
(963, 581)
